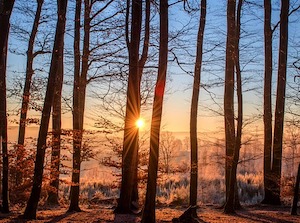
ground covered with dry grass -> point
(207, 213)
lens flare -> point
(140, 123)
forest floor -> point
(208, 213)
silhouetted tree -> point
(6, 7)
(130, 143)
(26, 91)
(267, 101)
(229, 91)
(280, 103)
(232, 198)
(191, 214)
(30, 211)
(149, 209)
(56, 135)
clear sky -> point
(176, 109)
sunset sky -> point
(176, 108)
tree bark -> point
(26, 93)
(268, 103)
(232, 200)
(296, 193)
(194, 108)
(229, 92)
(130, 143)
(30, 211)
(74, 204)
(56, 135)
(149, 209)
(80, 81)
(142, 61)
(280, 103)
(5, 13)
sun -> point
(140, 123)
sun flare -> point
(140, 123)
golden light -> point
(140, 123)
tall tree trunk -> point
(130, 143)
(76, 105)
(194, 108)
(142, 61)
(56, 137)
(268, 103)
(280, 103)
(30, 211)
(26, 93)
(149, 209)
(232, 200)
(79, 106)
(229, 92)
(6, 7)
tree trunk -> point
(268, 103)
(26, 93)
(142, 61)
(30, 211)
(149, 209)
(130, 143)
(280, 103)
(296, 193)
(56, 137)
(5, 13)
(229, 92)
(232, 200)
(194, 108)
(79, 103)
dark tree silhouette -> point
(6, 7)
(81, 68)
(77, 105)
(30, 211)
(56, 135)
(142, 61)
(190, 215)
(267, 102)
(280, 103)
(232, 199)
(229, 91)
(149, 209)
(130, 143)
(26, 91)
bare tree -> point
(149, 209)
(280, 103)
(130, 144)
(77, 125)
(30, 211)
(229, 91)
(56, 135)
(232, 198)
(194, 109)
(26, 91)
(6, 7)
(267, 101)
